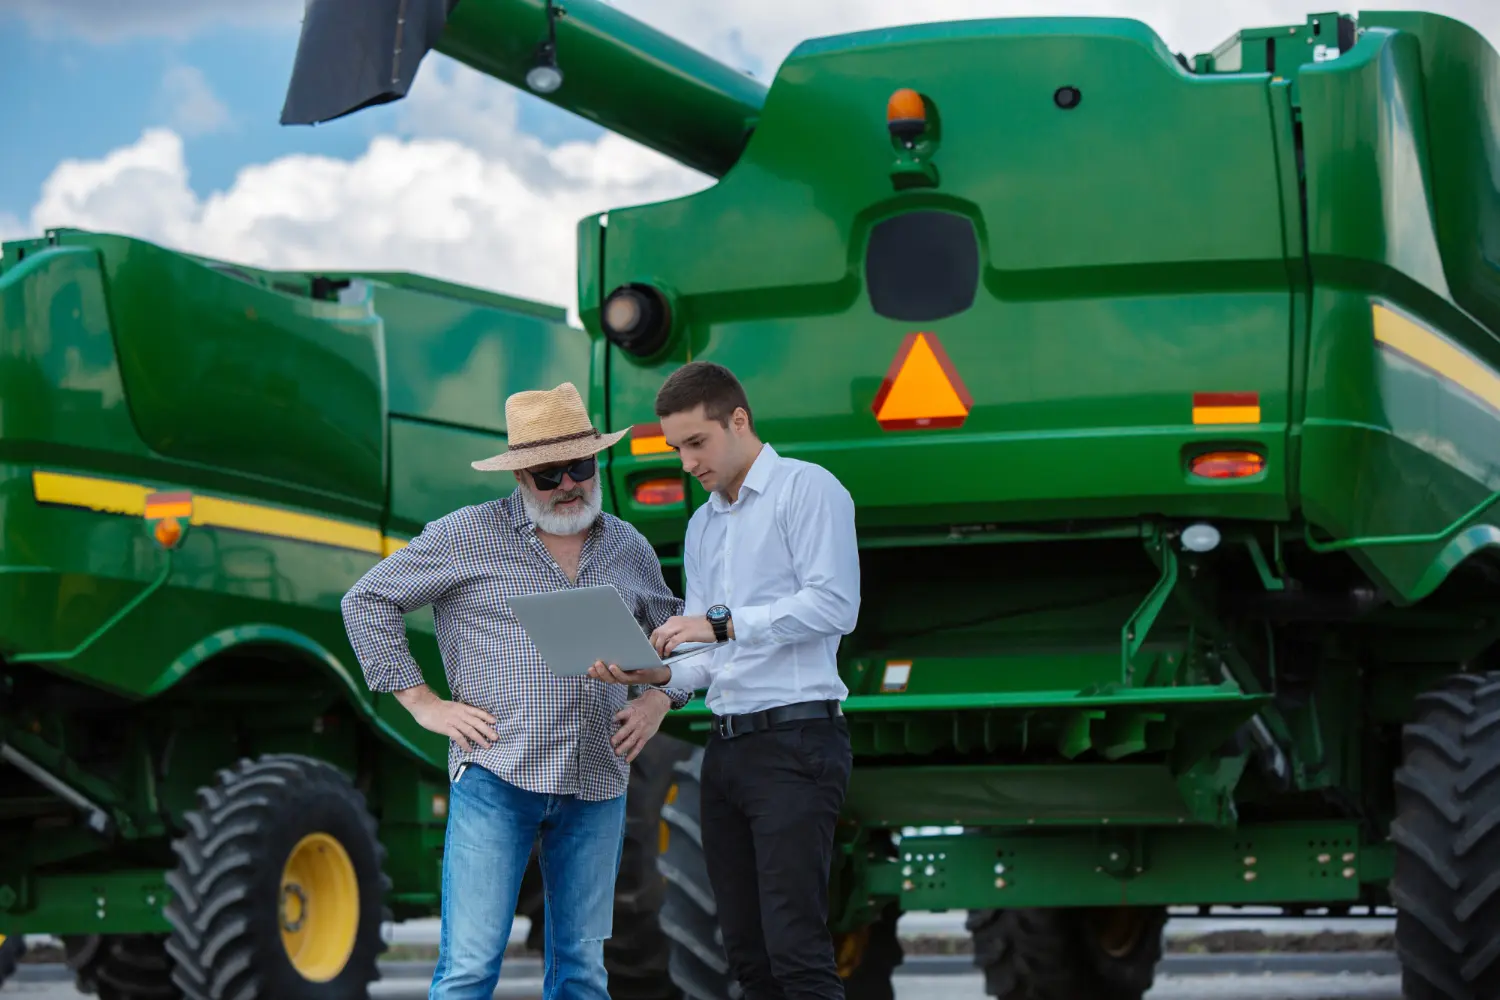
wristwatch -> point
(718, 617)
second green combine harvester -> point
(1168, 391)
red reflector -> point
(659, 492)
(1228, 464)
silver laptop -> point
(573, 628)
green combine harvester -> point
(1167, 390)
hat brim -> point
(527, 458)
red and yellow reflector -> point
(1226, 407)
(647, 439)
(660, 492)
(177, 503)
(1227, 464)
(922, 389)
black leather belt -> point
(729, 726)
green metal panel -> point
(221, 372)
(1271, 863)
(456, 361)
(1459, 99)
(1091, 267)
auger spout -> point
(616, 71)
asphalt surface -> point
(1290, 976)
(969, 987)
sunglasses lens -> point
(551, 479)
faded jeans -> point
(491, 828)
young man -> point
(772, 572)
(529, 752)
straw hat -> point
(545, 426)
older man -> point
(530, 752)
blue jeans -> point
(492, 825)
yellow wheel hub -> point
(319, 910)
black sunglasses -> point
(550, 479)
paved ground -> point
(952, 924)
(935, 988)
(1364, 977)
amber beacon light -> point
(906, 115)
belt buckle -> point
(723, 727)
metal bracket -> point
(96, 817)
(1133, 632)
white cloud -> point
(466, 197)
(191, 106)
(461, 193)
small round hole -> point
(1067, 98)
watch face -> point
(718, 613)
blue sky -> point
(221, 89)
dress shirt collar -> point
(755, 480)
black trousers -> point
(770, 800)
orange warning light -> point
(905, 104)
(922, 389)
(906, 115)
(168, 532)
(648, 439)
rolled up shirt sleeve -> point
(412, 577)
(819, 520)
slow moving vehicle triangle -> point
(922, 389)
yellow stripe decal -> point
(1226, 414)
(113, 497)
(1437, 354)
(217, 513)
(105, 495)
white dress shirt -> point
(783, 558)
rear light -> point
(660, 492)
(1228, 465)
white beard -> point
(564, 522)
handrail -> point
(1373, 540)
(113, 620)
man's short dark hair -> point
(707, 384)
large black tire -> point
(689, 916)
(1064, 954)
(12, 949)
(121, 966)
(636, 954)
(231, 905)
(1447, 836)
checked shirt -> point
(554, 732)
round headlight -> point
(636, 319)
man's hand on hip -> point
(455, 720)
(639, 720)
